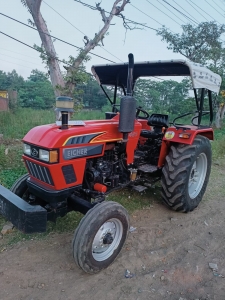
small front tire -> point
(100, 236)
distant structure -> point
(5, 98)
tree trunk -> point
(217, 120)
(54, 69)
(222, 111)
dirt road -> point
(168, 254)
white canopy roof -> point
(201, 76)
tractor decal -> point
(70, 153)
(81, 139)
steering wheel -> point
(140, 110)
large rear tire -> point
(100, 236)
(186, 174)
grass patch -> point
(16, 125)
(218, 145)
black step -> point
(147, 168)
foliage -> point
(10, 80)
(92, 95)
(37, 91)
(200, 43)
(167, 96)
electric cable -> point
(40, 51)
(188, 18)
(134, 22)
(196, 9)
(214, 8)
(20, 59)
(146, 14)
(217, 5)
(186, 12)
(79, 29)
(170, 11)
(55, 37)
(18, 53)
(15, 64)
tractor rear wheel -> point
(186, 173)
(100, 236)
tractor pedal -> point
(139, 188)
(147, 168)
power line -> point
(186, 12)
(64, 18)
(218, 5)
(222, 2)
(163, 12)
(40, 51)
(170, 11)
(196, 9)
(18, 53)
(214, 8)
(188, 18)
(55, 37)
(15, 64)
(134, 22)
(20, 59)
(78, 29)
(146, 14)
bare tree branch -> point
(68, 82)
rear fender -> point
(172, 135)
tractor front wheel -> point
(186, 173)
(20, 187)
(100, 236)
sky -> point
(70, 21)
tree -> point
(64, 85)
(10, 80)
(200, 44)
(92, 95)
(37, 91)
(167, 96)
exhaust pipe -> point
(128, 104)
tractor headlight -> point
(49, 156)
(44, 155)
(26, 149)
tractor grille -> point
(39, 172)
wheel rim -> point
(107, 239)
(197, 176)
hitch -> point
(27, 218)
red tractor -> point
(73, 165)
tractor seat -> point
(157, 121)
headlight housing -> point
(26, 149)
(49, 156)
(44, 155)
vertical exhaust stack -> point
(64, 105)
(128, 104)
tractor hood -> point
(201, 76)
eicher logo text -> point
(70, 153)
(77, 152)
